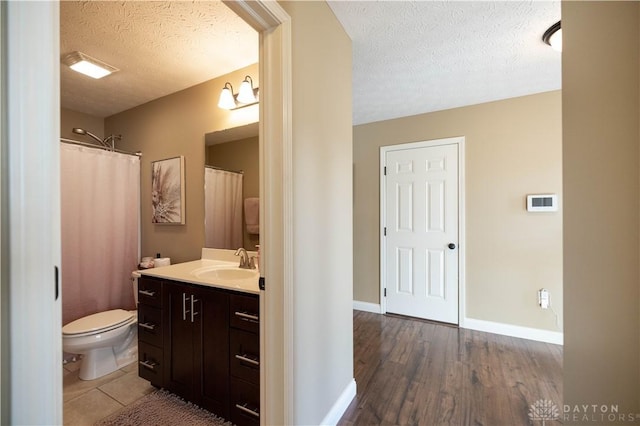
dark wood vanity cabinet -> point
(208, 351)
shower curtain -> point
(100, 204)
(222, 209)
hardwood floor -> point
(413, 372)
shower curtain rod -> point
(241, 172)
(104, 148)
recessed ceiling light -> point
(87, 65)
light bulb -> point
(246, 95)
(226, 100)
(556, 40)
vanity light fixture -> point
(87, 65)
(553, 36)
(248, 95)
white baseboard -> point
(367, 307)
(340, 406)
(537, 334)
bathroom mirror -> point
(232, 183)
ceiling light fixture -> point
(248, 95)
(87, 65)
(553, 36)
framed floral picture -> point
(167, 191)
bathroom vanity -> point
(198, 336)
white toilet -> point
(107, 340)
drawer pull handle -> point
(247, 358)
(247, 317)
(244, 408)
(147, 293)
(148, 364)
(147, 325)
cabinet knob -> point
(451, 246)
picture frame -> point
(167, 191)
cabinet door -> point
(179, 344)
(214, 341)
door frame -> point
(36, 169)
(31, 345)
(460, 142)
(273, 24)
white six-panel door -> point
(420, 218)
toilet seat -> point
(98, 323)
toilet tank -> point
(134, 281)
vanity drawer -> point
(150, 325)
(150, 291)
(150, 360)
(245, 403)
(245, 356)
(245, 312)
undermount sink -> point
(225, 273)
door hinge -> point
(385, 231)
(261, 283)
(385, 292)
(385, 170)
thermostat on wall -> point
(542, 203)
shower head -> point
(79, 131)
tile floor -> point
(86, 402)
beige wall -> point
(240, 155)
(601, 113)
(70, 119)
(322, 226)
(171, 126)
(513, 148)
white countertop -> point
(184, 272)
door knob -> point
(451, 246)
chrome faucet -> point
(245, 261)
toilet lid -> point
(99, 321)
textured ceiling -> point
(412, 57)
(159, 47)
(409, 57)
